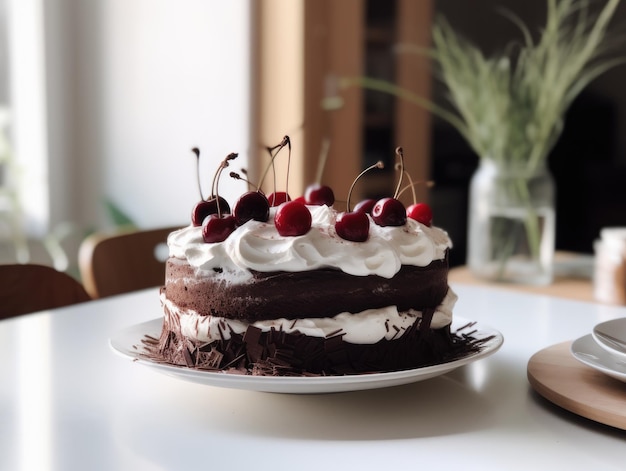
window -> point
(108, 99)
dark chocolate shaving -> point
(277, 353)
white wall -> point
(133, 85)
(27, 97)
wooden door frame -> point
(298, 47)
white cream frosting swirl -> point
(258, 246)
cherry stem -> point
(288, 165)
(216, 180)
(272, 157)
(378, 164)
(276, 148)
(428, 183)
(411, 185)
(250, 184)
(196, 151)
(399, 153)
(236, 176)
(323, 159)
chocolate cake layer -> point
(316, 293)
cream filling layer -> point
(366, 327)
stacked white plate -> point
(604, 349)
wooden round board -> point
(556, 375)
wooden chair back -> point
(26, 288)
(123, 262)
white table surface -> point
(67, 402)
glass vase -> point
(511, 223)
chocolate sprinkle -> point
(278, 353)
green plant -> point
(510, 107)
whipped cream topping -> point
(366, 327)
(258, 246)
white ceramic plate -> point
(611, 335)
(588, 351)
(125, 342)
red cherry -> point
(277, 198)
(353, 226)
(319, 195)
(205, 207)
(389, 212)
(292, 219)
(365, 206)
(217, 229)
(251, 205)
(420, 212)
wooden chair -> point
(122, 262)
(26, 288)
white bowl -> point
(611, 336)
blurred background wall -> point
(109, 96)
(130, 87)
